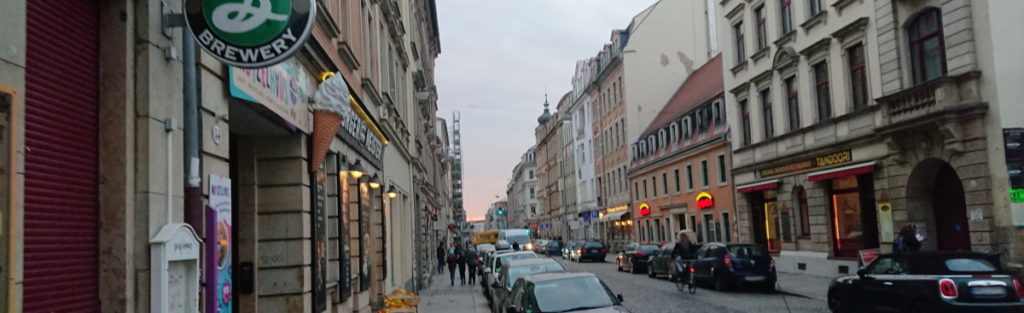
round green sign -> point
(250, 33)
(247, 22)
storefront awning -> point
(762, 185)
(613, 216)
(851, 170)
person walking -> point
(453, 260)
(462, 265)
(440, 257)
(515, 245)
(472, 262)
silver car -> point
(511, 270)
(563, 292)
(494, 267)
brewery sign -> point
(249, 33)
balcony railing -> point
(942, 94)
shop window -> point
(650, 235)
(927, 46)
(727, 229)
(772, 223)
(657, 227)
(694, 227)
(709, 223)
(852, 222)
(800, 203)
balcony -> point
(943, 95)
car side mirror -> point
(863, 273)
(619, 296)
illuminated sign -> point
(645, 209)
(830, 159)
(704, 200)
(617, 209)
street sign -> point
(250, 33)
(1017, 195)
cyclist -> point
(683, 253)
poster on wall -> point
(319, 246)
(218, 227)
(364, 237)
(345, 278)
(885, 228)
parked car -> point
(729, 264)
(661, 261)
(494, 267)
(511, 270)
(634, 257)
(567, 250)
(488, 261)
(563, 292)
(591, 250)
(553, 247)
(538, 245)
(928, 282)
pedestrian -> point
(515, 245)
(472, 261)
(440, 257)
(908, 240)
(453, 260)
(462, 265)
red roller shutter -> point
(61, 213)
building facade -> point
(582, 138)
(522, 192)
(549, 152)
(680, 176)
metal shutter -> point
(61, 206)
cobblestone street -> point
(646, 295)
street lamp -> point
(375, 181)
(356, 170)
(392, 192)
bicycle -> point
(685, 283)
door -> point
(701, 266)
(952, 231)
(61, 268)
(879, 285)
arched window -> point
(800, 204)
(927, 46)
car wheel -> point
(768, 287)
(720, 283)
(619, 266)
(836, 304)
(633, 269)
(650, 271)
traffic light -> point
(501, 211)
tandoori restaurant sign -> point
(250, 33)
(825, 160)
(284, 88)
(705, 200)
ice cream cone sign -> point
(330, 102)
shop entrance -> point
(935, 197)
(763, 214)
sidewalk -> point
(814, 287)
(441, 297)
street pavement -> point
(441, 297)
(647, 295)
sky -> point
(497, 58)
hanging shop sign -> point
(284, 89)
(705, 200)
(645, 209)
(247, 33)
(824, 160)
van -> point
(522, 236)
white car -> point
(493, 266)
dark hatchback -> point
(553, 247)
(660, 262)
(726, 265)
(928, 282)
(634, 257)
(590, 250)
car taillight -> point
(640, 254)
(727, 260)
(692, 270)
(1020, 290)
(948, 288)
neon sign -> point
(704, 200)
(645, 209)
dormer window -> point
(673, 130)
(651, 147)
(643, 149)
(662, 139)
(687, 127)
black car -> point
(553, 247)
(730, 264)
(928, 282)
(590, 250)
(661, 262)
(634, 257)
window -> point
(852, 223)
(786, 16)
(687, 128)
(727, 229)
(704, 172)
(664, 182)
(533, 209)
(738, 32)
(821, 90)
(721, 169)
(762, 31)
(858, 76)
(927, 48)
(800, 199)
(645, 188)
(677, 179)
(654, 186)
(531, 174)
(766, 104)
(533, 193)
(657, 226)
(636, 190)
(792, 103)
(689, 177)
(745, 115)
(814, 7)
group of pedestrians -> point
(459, 258)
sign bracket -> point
(170, 20)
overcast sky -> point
(496, 59)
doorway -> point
(935, 198)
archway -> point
(935, 197)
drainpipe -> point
(190, 124)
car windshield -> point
(746, 251)
(647, 248)
(969, 265)
(554, 244)
(593, 245)
(519, 271)
(572, 293)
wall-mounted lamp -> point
(392, 192)
(356, 170)
(375, 181)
